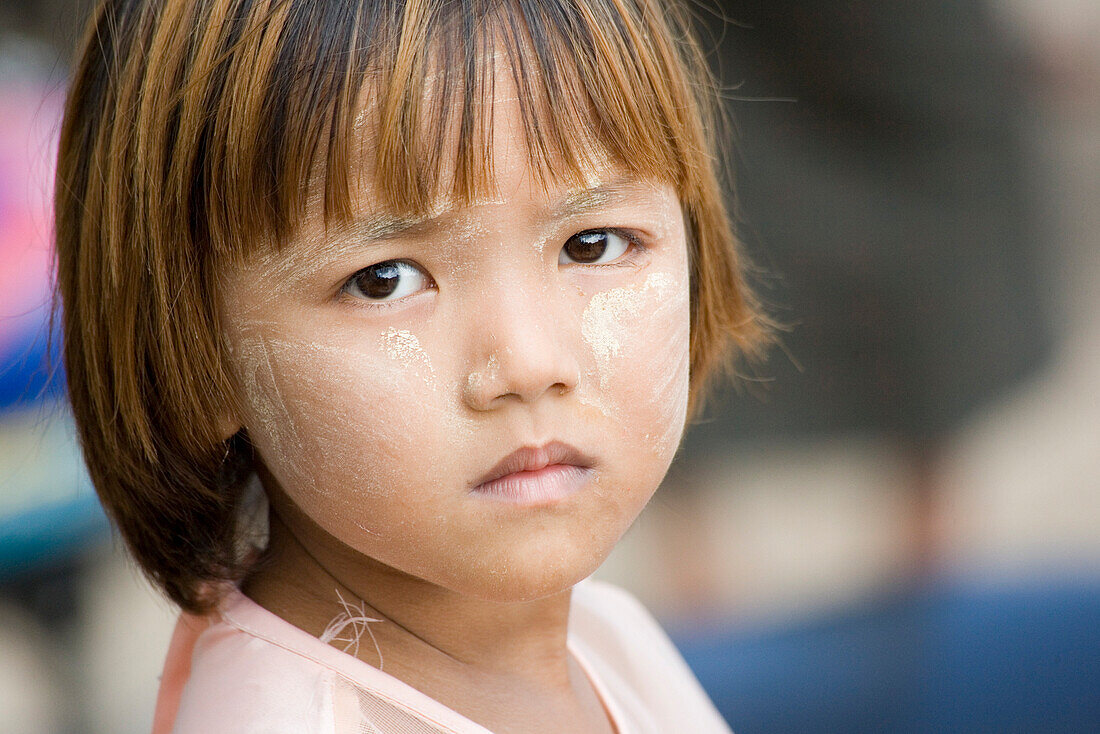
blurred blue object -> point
(26, 375)
(954, 656)
(42, 537)
(48, 511)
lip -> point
(536, 474)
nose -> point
(523, 349)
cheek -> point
(639, 342)
(336, 424)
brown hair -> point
(191, 134)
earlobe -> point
(228, 425)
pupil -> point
(587, 247)
(379, 281)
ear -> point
(228, 425)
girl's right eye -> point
(387, 281)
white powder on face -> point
(650, 323)
(671, 391)
(476, 380)
(595, 168)
(260, 382)
(403, 346)
(309, 426)
(540, 246)
(607, 319)
(671, 384)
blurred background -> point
(892, 525)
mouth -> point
(535, 475)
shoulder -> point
(609, 615)
(594, 595)
(636, 659)
(243, 683)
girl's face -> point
(388, 366)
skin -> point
(372, 422)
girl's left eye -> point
(387, 281)
(594, 247)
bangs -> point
(281, 92)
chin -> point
(523, 578)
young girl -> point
(382, 322)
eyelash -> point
(634, 241)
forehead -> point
(462, 159)
(509, 172)
(522, 205)
(462, 162)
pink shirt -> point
(247, 671)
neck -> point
(426, 634)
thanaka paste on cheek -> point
(638, 331)
(314, 402)
(403, 346)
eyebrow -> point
(374, 228)
(384, 226)
(583, 201)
